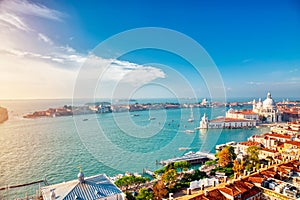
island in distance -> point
(106, 107)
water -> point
(54, 147)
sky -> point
(255, 46)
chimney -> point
(214, 183)
(52, 194)
(276, 169)
(262, 166)
(189, 191)
(254, 169)
(202, 187)
(205, 193)
(245, 172)
(235, 175)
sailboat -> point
(191, 119)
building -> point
(267, 109)
(97, 187)
(242, 114)
(272, 182)
(225, 122)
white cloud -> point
(24, 7)
(35, 66)
(45, 38)
(12, 21)
(255, 83)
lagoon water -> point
(112, 143)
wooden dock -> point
(23, 185)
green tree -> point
(182, 165)
(231, 152)
(127, 181)
(129, 196)
(238, 167)
(169, 177)
(144, 194)
(253, 159)
(253, 153)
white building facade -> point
(267, 109)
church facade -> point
(267, 109)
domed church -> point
(267, 109)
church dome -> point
(269, 102)
(80, 177)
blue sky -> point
(255, 44)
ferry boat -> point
(189, 131)
(183, 148)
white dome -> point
(269, 102)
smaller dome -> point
(80, 177)
(269, 102)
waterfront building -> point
(267, 109)
(242, 114)
(233, 119)
(97, 187)
(225, 122)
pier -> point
(191, 157)
(23, 185)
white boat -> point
(191, 119)
(183, 148)
(189, 131)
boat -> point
(191, 119)
(136, 115)
(189, 131)
(152, 118)
(85, 120)
(183, 148)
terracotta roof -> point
(293, 143)
(276, 135)
(226, 119)
(250, 193)
(269, 150)
(250, 143)
(214, 194)
(238, 187)
(254, 179)
(245, 112)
